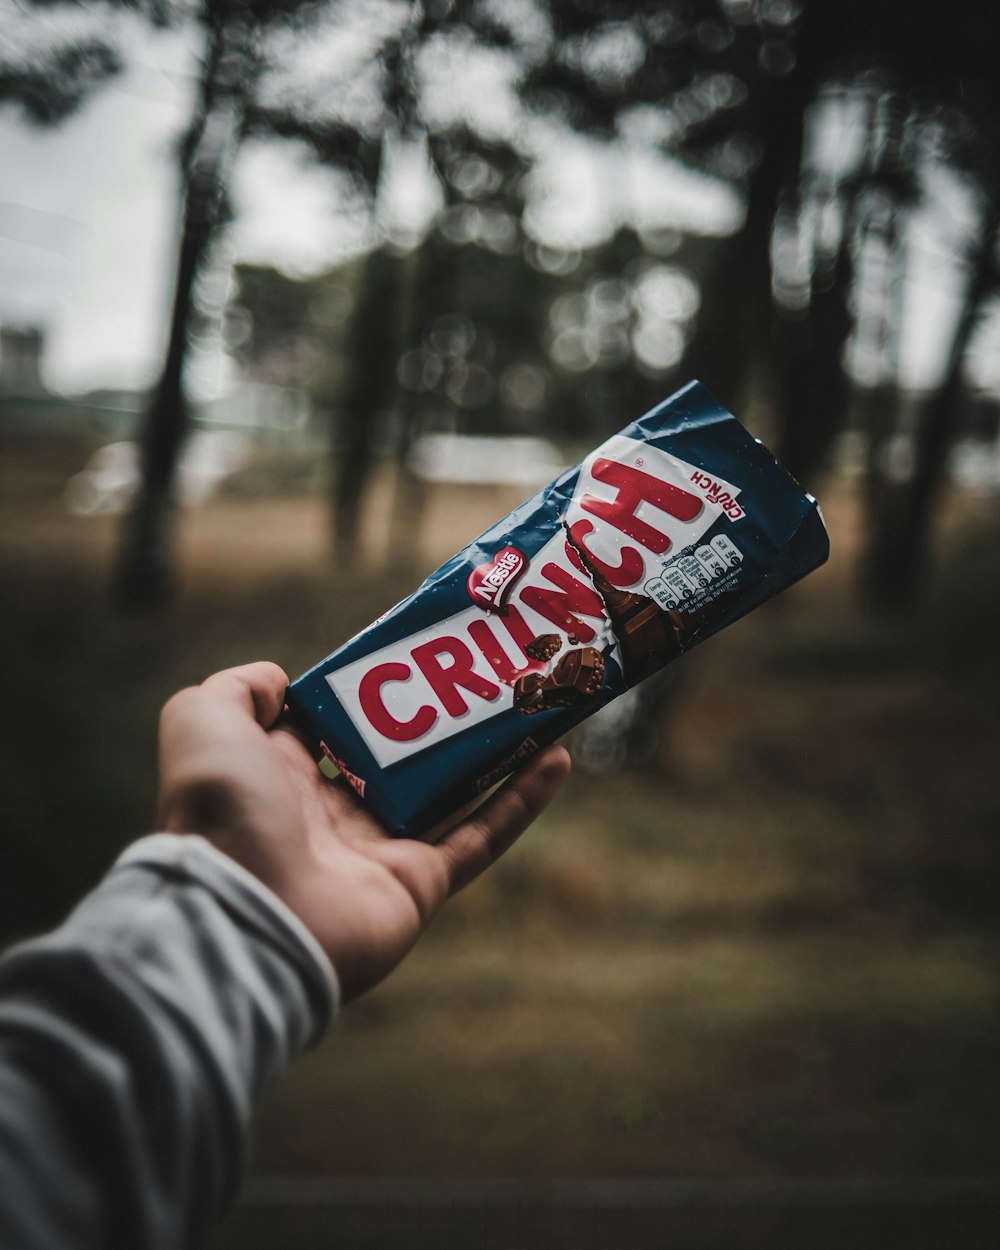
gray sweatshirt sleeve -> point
(135, 1041)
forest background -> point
(755, 940)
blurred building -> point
(21, 351)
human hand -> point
(230, 772)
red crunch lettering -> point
(555, 592)
(356, 783)
(447, 680)
(715, 492)
(634, 487)
(561, 602)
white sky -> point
(87, 218)
(88, 213)
(930, 292)
(87, 210)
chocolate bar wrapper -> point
(668, 532)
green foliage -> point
(498, 342)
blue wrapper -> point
(669, 531)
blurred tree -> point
(818, 261)
(50, 66)
(242, 39)
(924, 95)
(357, 142)
(709, 82)
(408, 65)
(735, 88)
(907, 470)
(49, 69)
(466, 309)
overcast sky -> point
(88, 217)
(88, 214)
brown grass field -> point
(773, 953)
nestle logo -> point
(490, 585)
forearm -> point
(135, 1041)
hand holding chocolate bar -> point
(231, 771)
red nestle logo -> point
(490, 585)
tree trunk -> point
(881, 412)
(143, 577)
(732, 334)
(812, 392)
(900, 540)
(416, 287)
(358, 421)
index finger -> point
(482, 838)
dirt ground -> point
(773, 953)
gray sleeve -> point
(135, 1041)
